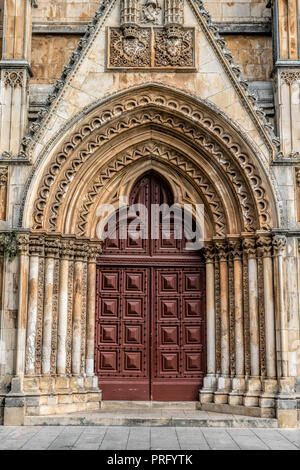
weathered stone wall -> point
(50, 53)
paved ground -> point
(145, 438)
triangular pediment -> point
(114, 56)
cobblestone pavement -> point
(146, 438)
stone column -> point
(270, 383)
(91, 311)
(209, 384)
(36, 250)
(51, 253)
(3, 191)
(65, 254)
(224, 381)
(23, 246)
(79, 256)
(253, 383)
(238, 382)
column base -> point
(224, 387)
(253, 391)
(206, 394)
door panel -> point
(178, 334)
(122, 333)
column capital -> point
(23, 243)
(221, 251)
(80, 251)
(279, 244)
(235, 249)
(67, 249)
(37, 245)
(209, 253)
(249, 247)
(52, 248)
(264, 246)
(93, 251)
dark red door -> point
(150, 318)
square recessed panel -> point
(192, 282)
(169, 362)
(169, 335)
(134, 282)
(109, 308)
(192, 308)
(132, 361)
(192, 334)
(133, 334)
(192, 361)
(110, 281)
(108, 361)
(168, 309)
(134, 308)
(109, 334)
(169, 282)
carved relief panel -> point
(138, 43)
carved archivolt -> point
(156, 151)
(213, 139)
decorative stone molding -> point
(290, 77)
(154, 150)
(37, 246)
(174, 12)
(265, 128)
(216, 130)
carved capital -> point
(209, 253)
(80, 251)
(264, 246)
(23, 244)
(37, 246)
(67, 249)
(52, 248)
(249, 247)
(3, 175)
(279, 245)
(222, 252)
(235, 249)
(93, 252)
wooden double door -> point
(150, 315)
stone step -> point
(136, 405)
(138, 417)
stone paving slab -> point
(146, 438)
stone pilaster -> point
(15, 74)
(91, 308)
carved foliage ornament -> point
(3, 175)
